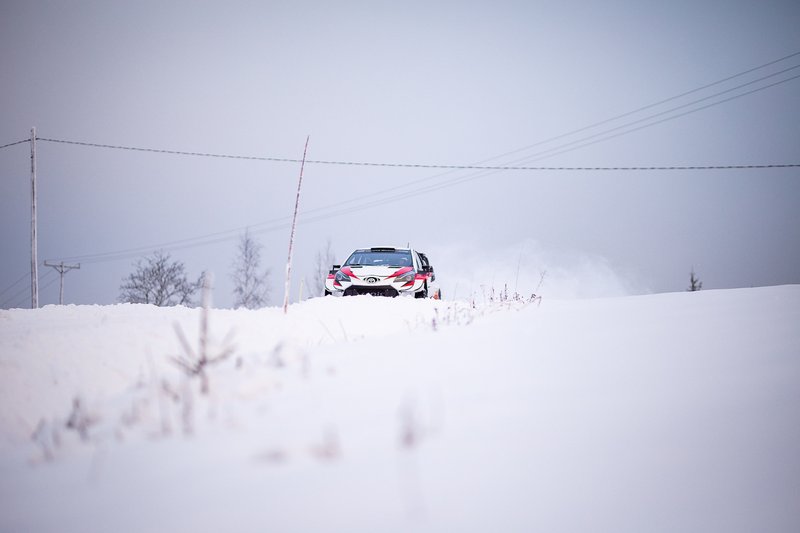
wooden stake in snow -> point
(291, 236)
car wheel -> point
(327, 292)
(423, 293)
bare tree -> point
(694, 283)
(160, 281)
(324, 260)
(250, 284)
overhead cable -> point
(481, 170)
(15, 143)
(17, 282)
(550, 152)
(19, 297)
(480, 166)
(424, 165)
(648, 106)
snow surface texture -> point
(672, 412)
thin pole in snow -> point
(291, 236)
(34, 241)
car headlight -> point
(408, 277)
(341, 276)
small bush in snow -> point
(694, 282)
(195, 362)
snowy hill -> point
(671, 412)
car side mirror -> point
(427, 268)
(334, 268)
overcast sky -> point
(451, 83)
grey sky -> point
(421, 82)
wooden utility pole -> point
(62, 269)
(291, 236)
(34, 243)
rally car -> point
(383, 271)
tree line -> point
(163, 281)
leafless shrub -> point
(694, 282)
(80, 420)
(46, 437)
(506, 299)
(195, 362)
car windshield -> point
(397, 258)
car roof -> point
(383, 249)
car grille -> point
(374, 291)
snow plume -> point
(465, 271)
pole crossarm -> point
(62, 268)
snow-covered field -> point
(672, 412)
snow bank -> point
(674, 412)
(95, 352)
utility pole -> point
(34, 243)
(291, 236)
(62, 269)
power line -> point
(17, 282)
(15, 143)
(455, 167)
(276, 224)
(558, 149)
(172, 152)
(484, 170)
(49, 284)
(20, 297)
(219, 237)
(210, 238)
(648, 106)
(182, 244)
(14, 298)
(423, 165)
(461, 179)
(282, 222)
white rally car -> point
(383, 271)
